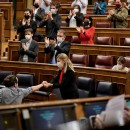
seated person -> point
(12, 94)
(86, 32)
(120, 64)
(75, 17)
(118, 16)
(27, 22)
(56, 47)
(52, 21)
(28, 48)
(38, 12)
(65, 79)
(100, 7)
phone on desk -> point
(92, 121)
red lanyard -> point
(61, 76)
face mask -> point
(26, 16)
(119, 66)
(76, 10)
(36, 5)
(59, 39)
(28, 37)
(60, 65)
(86, 23)
(118, 5)
(53, 11)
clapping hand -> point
(78, 29)
(24, 46)
(47, 42)
(46, 84)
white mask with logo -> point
(60, 65)
(119, 66)
(59, 39)
(28, 37)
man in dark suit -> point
(28, 49)
(38, 12)
(27, 22)
(56, 47)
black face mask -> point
(26, 16)
(86, 23)
(36, 5)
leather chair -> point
(104, 40)
(86, 87)
(127, 42)
(127, 64)
(106, 89)
(80, 60)
(105, 62)
(3, 74)
(75, 39)
(103, 25)
(25, 80)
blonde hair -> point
(65, 58)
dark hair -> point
(57, 5)
(30, 11)
(90, 19)
(78, 7)
(122, 59)
(29, 30)
(10, 80)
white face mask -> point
(59, 39)
(53, 11)
(119, 66)
(76, 10)
(60, 65)
(28, 37)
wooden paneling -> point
(7, 8)
(119, 77)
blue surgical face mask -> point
(53, 11)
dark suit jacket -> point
(39, 15)
(79, 19)
(32, 52)
(21, 28)
(68, 87)
(63, 48)
(52, 26)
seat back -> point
(127, 42)
(103, 24)
(63, 23)
(104, 40)
(86, 87)
(105, 62)
(106, 89)
(3, 74)
(25, 80)
(80, 60)
(75, 39)
(127, 62)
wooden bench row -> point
(118, 34)
(42, 70)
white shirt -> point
(83, 5)
(35, 11)
(43, 5)
(25, 57)
(72, 22)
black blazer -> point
(63, 48)
(39, 15)
(68, 87)
(79, 19)
(21, 28)
(32, 52)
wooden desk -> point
(40, 70)
(7, 8)
(115, 33)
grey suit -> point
(32, 52)
(63, 48)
